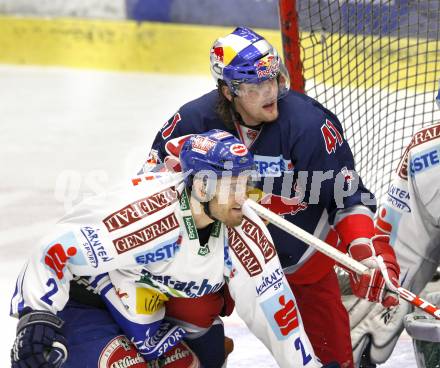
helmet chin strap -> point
(208, 210)
(209, 192)
(205, 203)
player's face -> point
(257, 102)
(227, 203)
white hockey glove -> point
(374, 329)
(379, 326)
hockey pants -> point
(96, 341)
(325, 319)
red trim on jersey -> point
(239, 130)
(353, 227)
(200, 311)
(317, 266)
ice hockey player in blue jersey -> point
(308, 176)
(150, 240)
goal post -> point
(291, 43)
(375, 64)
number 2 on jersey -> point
(300, 346)
(46, 297)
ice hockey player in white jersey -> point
(410, 214)
(158, 237)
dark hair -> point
(224, 107)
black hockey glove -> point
(39, 342)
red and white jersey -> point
(410, 211)
(409, 214)
(140, 245)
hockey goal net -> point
(375, 63)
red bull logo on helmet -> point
(218, 53)
(267, 67)
(223, 54)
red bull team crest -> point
(283, 205)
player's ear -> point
(203, 188)
(227, 93)
(198, 190)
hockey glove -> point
(380, 284)
(39, 343)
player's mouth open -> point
(269, 106)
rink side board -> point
(184, 49)
(111, 45)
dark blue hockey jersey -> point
(307, 172)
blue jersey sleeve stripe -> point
(96, 280)
(106, 289)
(18, 299)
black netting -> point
(376, 64)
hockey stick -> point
(337, 255)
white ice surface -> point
(65, 134)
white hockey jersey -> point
(140, 246)
(410, 211)
(410, 214)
